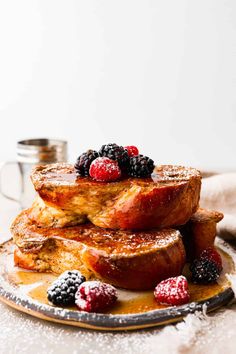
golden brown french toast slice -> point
(200, 231)
(132, 260)
(167, 199)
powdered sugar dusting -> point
(196, 334)
(167, 173)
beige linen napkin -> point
(219, 193)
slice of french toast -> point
(167, 199)
(131, 260)
(199, 232)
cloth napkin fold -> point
(219, 193)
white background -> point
(158, 74)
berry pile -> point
(111, 161)
(207, 268)
(172, 291)
(72, 288)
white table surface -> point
(21, 333)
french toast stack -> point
(126, 232)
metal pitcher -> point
(30, 153)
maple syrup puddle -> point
(35, 286)
(136, 302)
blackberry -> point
(84, 161)
(140, 166)
(115, 152)
(63, 289)
(204, 271)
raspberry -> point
(204, 271)
(84, 161)
(117, 153)
(140, 166)
(104, 169)
(211, 254)
(172, 291)
(132, 150)
(63, 289)
(95, 296)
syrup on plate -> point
(35, 286)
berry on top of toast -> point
(105, 170)
(132, 150)
(127, 158)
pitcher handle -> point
(3, 165)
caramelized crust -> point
(132, 260)
(200, 231)
(47, 216)
(167, 199)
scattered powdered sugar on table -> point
(198, 333)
